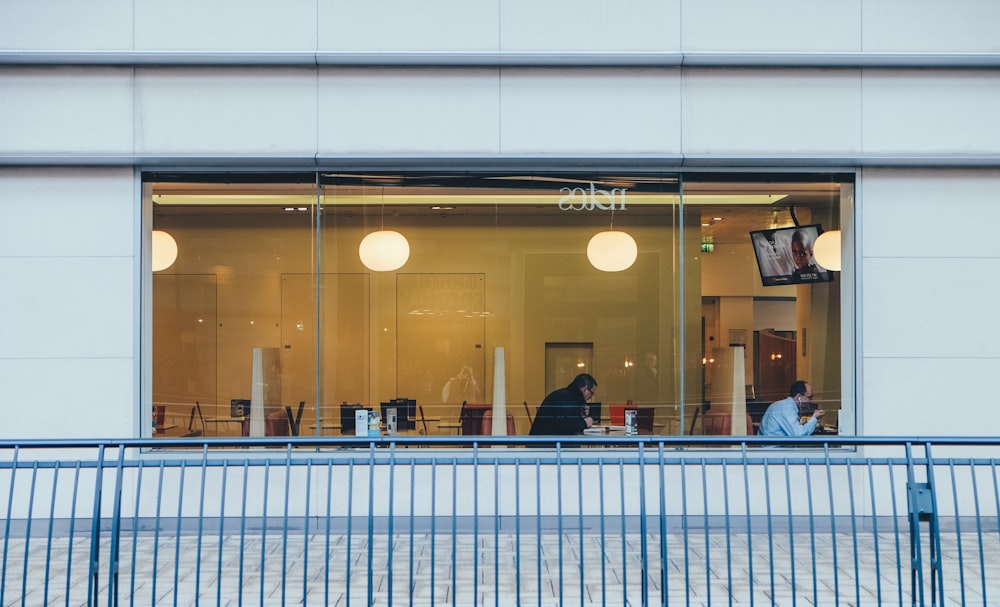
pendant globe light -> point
(384, 250)
(164, 250)
(826, 250)
(612, 251)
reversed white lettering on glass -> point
(583, 199)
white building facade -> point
(100, 100)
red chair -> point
(616, 413)
(488, 424)
(471, 418)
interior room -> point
(282, 290)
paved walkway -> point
(488, 571)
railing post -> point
(922, 508)
(93, 582)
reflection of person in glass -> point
(462, 387)
(802, 255)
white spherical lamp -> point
(384, 251)
(612, 251)
(826, 250)
(164, 250)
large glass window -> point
(273, 318)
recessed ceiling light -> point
(442, 208)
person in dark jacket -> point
(565, 410)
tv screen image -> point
(785, 255)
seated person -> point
(782, 417)
(564, 410)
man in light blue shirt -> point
(782, 418)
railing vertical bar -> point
(156, 530)
(475, 522)
(434, 490)
(685, 531)
(114, 555)
(135, 530)
(876, 549)
(243, 530)
(791, 531)
(854, 530)
(27, 532)
(284, 523)
(708, 543)
(350, 528)
(768, 517)
(729, 531)
(222, 531)
(935, 548)
(517, 532)
(603, 532)
(263, 528)
(916, 567)
(48, 545)
(812, 532)
(454, 531)
(958, 532)
(833, 525)
(579, 497)
(996, 494)
(390, 528)
(979, 529)
(72, 528)
(746, 493)
(538, 527)
(95, 530)
(413, 506)
(371, 522)
(559, 519)
(180, 520)
(496, 532)
(201, 525)
(624, 520)
(10, 515)
(664, 585)
(326, 540)
(895, 529)
(305, 533)
(644, 543)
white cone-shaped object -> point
(499, 394)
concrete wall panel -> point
(67, 307)
(408, 111)
(67, 398)
(590, 25)
(237, 111)
(914, 112)
(402, 25)
(225, 25)
(930, 308)
(962, 26)
(66, 212)
(773, 26)
(66, 24)
(65, 110)
(920, 213)
(777, 113)
(571, 112)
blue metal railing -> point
(501, 521)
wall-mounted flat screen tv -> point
(785, 255)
